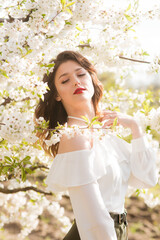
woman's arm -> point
(141, 158)
(136, 130)
(124, 120)
(92, 217)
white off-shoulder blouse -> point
(97, 181)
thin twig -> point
(121, 57)
(55, 16)
(134, 60)
(11, 19)
(38, 166)
(84, 45)
(9, 191)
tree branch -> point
(9, 191)
(25, 19)
(121, 57)
(38, 166)
(84, 45)
(6, 101)
(11, 19)
(134, 60)
(55, 16)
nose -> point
(76, 81)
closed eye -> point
(65, 81)
(80, 75)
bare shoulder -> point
(78, 142)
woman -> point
(95, 172)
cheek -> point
(64, 92)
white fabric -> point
(92, 217)
(97, 181)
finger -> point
(108, 111)
(110, 114)
(107, 123)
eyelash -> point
(80, 75)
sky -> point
(148, 33)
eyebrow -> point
(64, 74)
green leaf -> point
(39, 95)
(32, 200)
(63, 2)
(69, 4)
(31, 73)
(3, 72)
(78, 28)
(97, 122)
(86, 119)
(128, 17)
(115, 122)
(128, 8)
(28, 52)
(69, 11)
(148, 128)
(47, 38)
(50, 65)
(7, 159)
(28, 170)
(94, 118)
(68, 23)
(20, 50)
(23, 174)
(26, 160)
(5, 169)
(138, 192)
(145, 53)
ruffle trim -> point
(74, 169)
(83, 166)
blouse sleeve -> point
(142, 159)
(92, 217)
(77, 172)
(75, 168)
(143, 164)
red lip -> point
(79, 90)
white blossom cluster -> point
(28, 45)
(152, 119)
(17, 126)
(149, 199)
(30, 206)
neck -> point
(87, 111)
(77, 118)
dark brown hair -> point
(51, 109)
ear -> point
(58, 98)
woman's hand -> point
(125, 120)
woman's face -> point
(69, 77)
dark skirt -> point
(121, 228)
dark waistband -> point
(119, 218)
